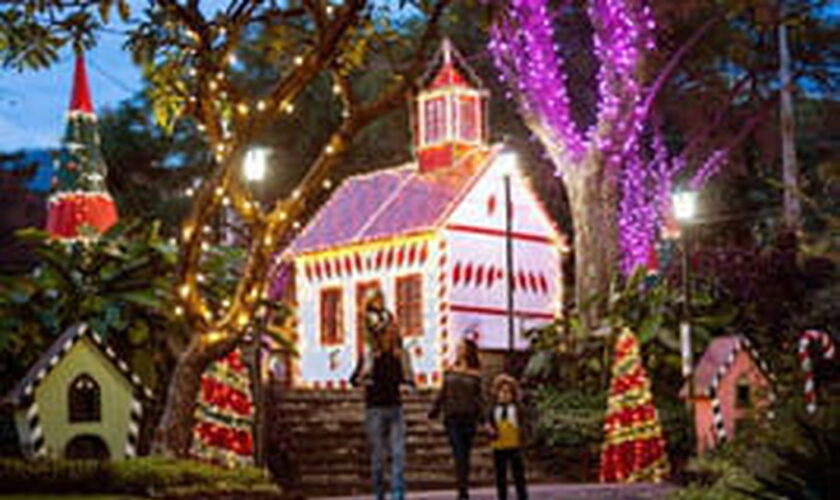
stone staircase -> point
(326, 436)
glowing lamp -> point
(685, 205)
(255, 165)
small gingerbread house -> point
(731, 385)
(79, 400)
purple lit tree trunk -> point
(617, 171)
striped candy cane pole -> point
(826, 345)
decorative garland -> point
(826, 345)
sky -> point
(33, 105)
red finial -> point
(80, 98)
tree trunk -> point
(174, 433)
(593, 196)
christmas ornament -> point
(634, 448)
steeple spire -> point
(80, 100)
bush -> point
(570, 426)
(143, 476)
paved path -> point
(553, 492)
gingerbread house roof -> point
(718, 359)
(25, 388)
(390, 202)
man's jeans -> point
(382, 425)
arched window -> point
(84, 399)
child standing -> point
(506, 420)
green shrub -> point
(570, 424)
(152, 475)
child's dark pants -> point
(501, 459)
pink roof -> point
(390, 202)
(716, 355)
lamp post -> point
(685, 210)
(254, 169)
(508, 162)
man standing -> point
(383, 411)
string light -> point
(530, 62)
(179, 311)
(219, 191)
(261, 105)
(189, 192)
(289, 108)
(327, 183)
(184, 290)
(242, 108)
(214, 336)
(298, 60)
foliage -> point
(573, 354)
(570, 426)
(141, 476)
(119, 283)
(794, 456)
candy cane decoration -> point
(826, 345)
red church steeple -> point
(80, 100)
(79, 196)
(450, 111)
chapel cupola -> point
(450, 113)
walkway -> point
(553, 492)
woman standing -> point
(461, 402)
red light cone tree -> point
(224, 414)
(634, 447)
(79, 197)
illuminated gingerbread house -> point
(431, 234)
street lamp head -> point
(685, 205)
(255, 164)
